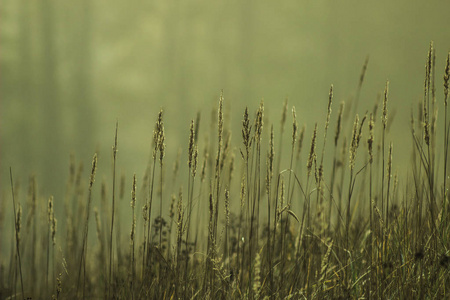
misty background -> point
(70, 69)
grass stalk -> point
(111, 258)
(82, 265)
(17, 230)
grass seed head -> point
(93, 170)
(246, 131)
(330, 100)
(259, 122)
(220, 120)
(446, 78)
(195, 161)
(371, 138)
(389, 164)
(271, 153)
(191, 144)
(242, 194)
(270, 159)
(312, 152)
(227, 206)
(384, 117)
(159, 137)
(294, 126)
(354, 142)
(339, 123)
(133, 192)
(19, 221)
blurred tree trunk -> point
(83, 77)
(22, 88)
(50, 118)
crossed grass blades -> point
(334, 222)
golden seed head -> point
(162, 147)
(330, 100)
(133, 228)
(155, 139)
(227, 206)
(211, 204)
(354, 142)
(133, 192)
(339, 123)
(195, 161)
(58, 285)
(158, 137)
(220, 120)
(316, 170)
(294, 126)
(259, 122)
(428, 68)
(242, 194)
(319, 176)
(115, 141)
(384, 117)
(356, 137)
(270, 158)
(389, 164)
(446, 78)
(93, 170)
(246, 131)
(53, 229)
(191, 144)
(325, 260)
(426, 132)
(371, 138)
(312, 152)
(180, 211)
(271, 151)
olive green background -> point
(70, 69)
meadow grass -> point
(248, 227)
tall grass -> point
(333, 223)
